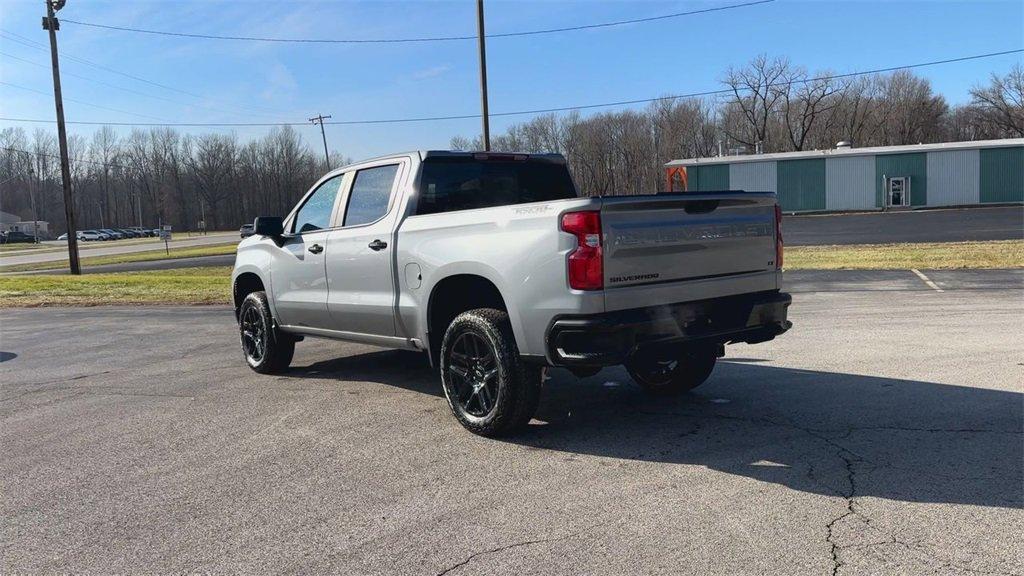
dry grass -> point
(206, 285)
(949, 255)
(18, 247)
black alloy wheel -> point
(254, 335)
(474, 372)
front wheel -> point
(266, 349)
(490, 390)
(671, 372)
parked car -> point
(245, 231)
(16, 237)
(113, 234)
(128, 233)
(494, 267)
(86, 235)
(142, 232)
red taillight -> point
(778, 237)
(586, 263)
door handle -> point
(316, 248)
(378, 245)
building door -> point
(898, 191)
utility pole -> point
(483, 73)
(319, 119)
(50, 23)
(32, 201)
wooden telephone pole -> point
(319, 119)
(50, 23)
(481, 40)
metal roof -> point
(843, 152)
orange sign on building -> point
(675, 179)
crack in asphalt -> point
(39, 385)
(520, 544)
(851, 460)
(846, 432)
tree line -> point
(770, 106)
(160, 175)
(157, 176)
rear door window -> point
(371, 194)
(465, 183)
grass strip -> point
(201, 285)
(211, 284)
(930, 256)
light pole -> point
(51, 24)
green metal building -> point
(846, 178)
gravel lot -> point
(882, 435)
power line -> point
(420, 39)
(24, 41)
(83, 102)
(541, 110)
(58, 158)
(116, 87)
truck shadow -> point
(820, 432)
(399, 368)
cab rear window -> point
(465, 183)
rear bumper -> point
(608, 339)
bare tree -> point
(757, 89)
(805, 102)
(910, 112)
(1001, 103)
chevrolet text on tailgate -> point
(494, 267)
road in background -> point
(882, 434)
(953, 225)
(112, 248)
(149, 265)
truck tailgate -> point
(682, 238)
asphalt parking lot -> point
(940, 225)
(882, 435)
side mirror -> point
(272, 226)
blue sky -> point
(260, 82)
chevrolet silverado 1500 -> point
(496, 268)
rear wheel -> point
(490, 390)
(670, 372)
(266, 349)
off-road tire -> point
(513, 391)
(657, 375)
(278, 347)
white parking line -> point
(927, 280)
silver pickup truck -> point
(495, 267)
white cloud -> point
(280, 82)
(432, 72)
